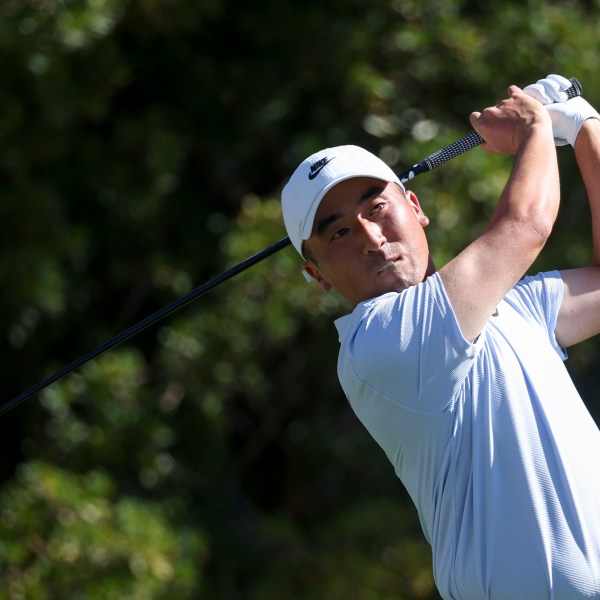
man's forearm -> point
(587, 151)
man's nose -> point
(372, 236)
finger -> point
(561, 83)
(474, 116)
(537, 91)
(513, 89)
(561, 88)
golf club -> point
(429, 163)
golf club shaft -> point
(147, 322)
(429, 163)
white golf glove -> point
(568, 115)
(551, 89)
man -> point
(458, 373)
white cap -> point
(316, 175)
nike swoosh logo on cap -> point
(317, 167)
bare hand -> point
(505, 126)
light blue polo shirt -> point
(491, 438)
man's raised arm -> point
(579, 316)
(480, 276)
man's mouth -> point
(388, 264)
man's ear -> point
(414, 203)
(314, 273)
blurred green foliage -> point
(143, 145)
(66, 536)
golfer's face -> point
(367, 240)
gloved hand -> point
(568, 115)
(568, 118)
(551, 89)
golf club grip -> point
(468, 142)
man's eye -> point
(377, 208)
(339, 233)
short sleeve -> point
(539, 297)
(408, 347)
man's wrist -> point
(588, 135)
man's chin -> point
(393, 282)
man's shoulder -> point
(398, 320)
